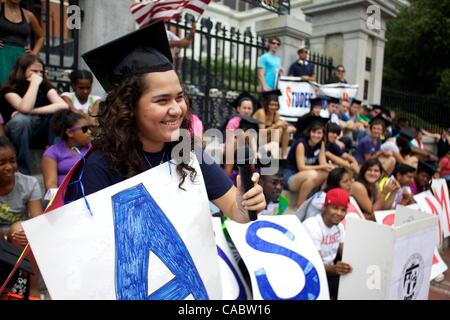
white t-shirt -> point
(390, 145)
(173, 37)
(76, 103)
(325, 239)
(399, 194)
(271, 209)
(334, 118)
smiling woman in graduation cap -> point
(307, 167)
(140, 121)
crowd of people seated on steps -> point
(377, 160)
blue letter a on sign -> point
(141, 227)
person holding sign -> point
(140, 122)
(302, 68)
(327, 236)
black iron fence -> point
(60, 50)
(220, 63)
(424, 111)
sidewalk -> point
(441, 290)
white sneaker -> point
(439, 278)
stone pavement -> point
(441, 290)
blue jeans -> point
(22, 130)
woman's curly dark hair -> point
(117, 133)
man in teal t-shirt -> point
(269, 66)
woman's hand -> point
(1, 44)
(328, 167)
(19, 237)
(28, 49)
(253, 199)
(391, 186)
(35, 79)
(14, 114)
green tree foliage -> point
(417, 55)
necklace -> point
(148, 162)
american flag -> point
(159, 10)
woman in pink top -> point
(444, 167)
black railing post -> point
(230, 58)
(222, 64)
(208, 105)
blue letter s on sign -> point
(310, 291)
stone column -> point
(354, 59)
(292, 33)
(317, 44)
(104, 20)
(377, 71)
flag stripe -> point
(150, 12)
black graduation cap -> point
(381, 116)
(408, 133)
(356, 101)
(9, 255)
(243, 95)
(333, 100)
(271, 95)
(308, 120)
(248, 123)
(142, 51)
(267, 162)
(315, 102)
(377, 106)
(427, 167)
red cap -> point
(337, 197)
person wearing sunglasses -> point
(58, 159)
(338, 76)
(269, 66)
(302, 67)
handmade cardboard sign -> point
(353, 212)
(428, 203)
(387, 217)
(399, 264)
(281, 259)
(440, 191)
(138, 243)
(234, 286)
(295, 96)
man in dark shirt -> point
(302, 68)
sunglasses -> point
(340, 70)
(84, 128)
(277, 43)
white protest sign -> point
(295, 96)
(281, 259)
(234, 286)
(138, 244)
(388, 217)
(341, 91)
(428, 203)
(394, 263)
(353, 212)
(440, 191)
